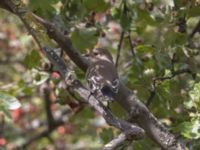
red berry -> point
(3, 141)
(55, 75)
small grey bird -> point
(101, 75)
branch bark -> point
(64, 42)
(116, 142)
(145, 119)
(47, 92)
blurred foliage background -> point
(159, 60)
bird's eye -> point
(95, 53)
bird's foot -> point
(70, 78)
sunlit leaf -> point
(194, 97)
(145, 48)
(190, 129)
(9, 102)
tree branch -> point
(116, 142)
(64, 42)
(174, 73)
(47, 93)
(131, 44)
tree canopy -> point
(155, 46)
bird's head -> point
(100, 54)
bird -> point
(101, 75)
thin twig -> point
(155, 80)
(31, 31)
(152, 94)
(175, 73)
(119, 49)
(131, 44)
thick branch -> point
(64, 42)
(141, 115)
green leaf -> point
(190, 129)
(106, 135)
(32, 60)
(9, 102)
(181, 38)
(115, 12)
(145, 48)
(40, 77)
(80, 74)
(75, 11)
(194, 11)
(96, 5)
(144, 18)
(27, 91)
(163, 60)
(84, 38)
(43, 7)
(194, 97)
(125, 21)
